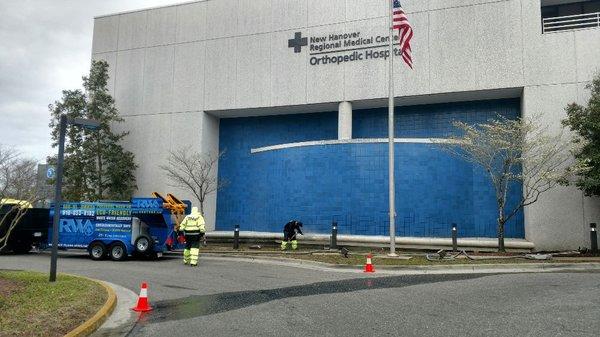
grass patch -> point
(31, 306)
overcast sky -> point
(45, 47)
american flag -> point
(406, 32)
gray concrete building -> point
(295, 92)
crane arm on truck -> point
(174, 205)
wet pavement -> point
(229, 298)
(203, 305)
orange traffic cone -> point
(369, 266)
(142, 304)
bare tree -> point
(17, 190)
(518, 151)
(195, 172)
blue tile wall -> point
(348, 182)
(433, 120)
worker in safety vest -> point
(290, 231)
(193, 229)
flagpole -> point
(392, 195)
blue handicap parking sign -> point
(50, 172)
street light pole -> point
(88, 124)
(58, 196)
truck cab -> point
(31, 231)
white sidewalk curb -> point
(123, 318)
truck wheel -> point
(143, 244)
(97, 251)
(118, 251)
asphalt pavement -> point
(242, 298)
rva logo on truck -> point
(146, 203)
(76, 226)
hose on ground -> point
(441, 255)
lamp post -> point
(64, 120)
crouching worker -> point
(193, 229)
(290, 231)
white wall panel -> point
(222, 18)
(220, 74)
(158, 80)
(148, 139)
(326, 12)
(531, 15)
(162, 25)
(255, 16)
(129, 83)
(452, 50)
(156, 132)
(587, 51)
(549, 226)
(148, 135)
(288, 14)
(432, 5)
(186, 131)
(150, 177)
(191, 22)
(132, 30)
(253, 84)
(411, 6)
(498, 50)
(366, 9)
(106, 34)
(188, 93)
(550, 59)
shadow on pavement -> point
(83, 255)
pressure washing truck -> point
(117, 229)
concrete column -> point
(345, 120)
